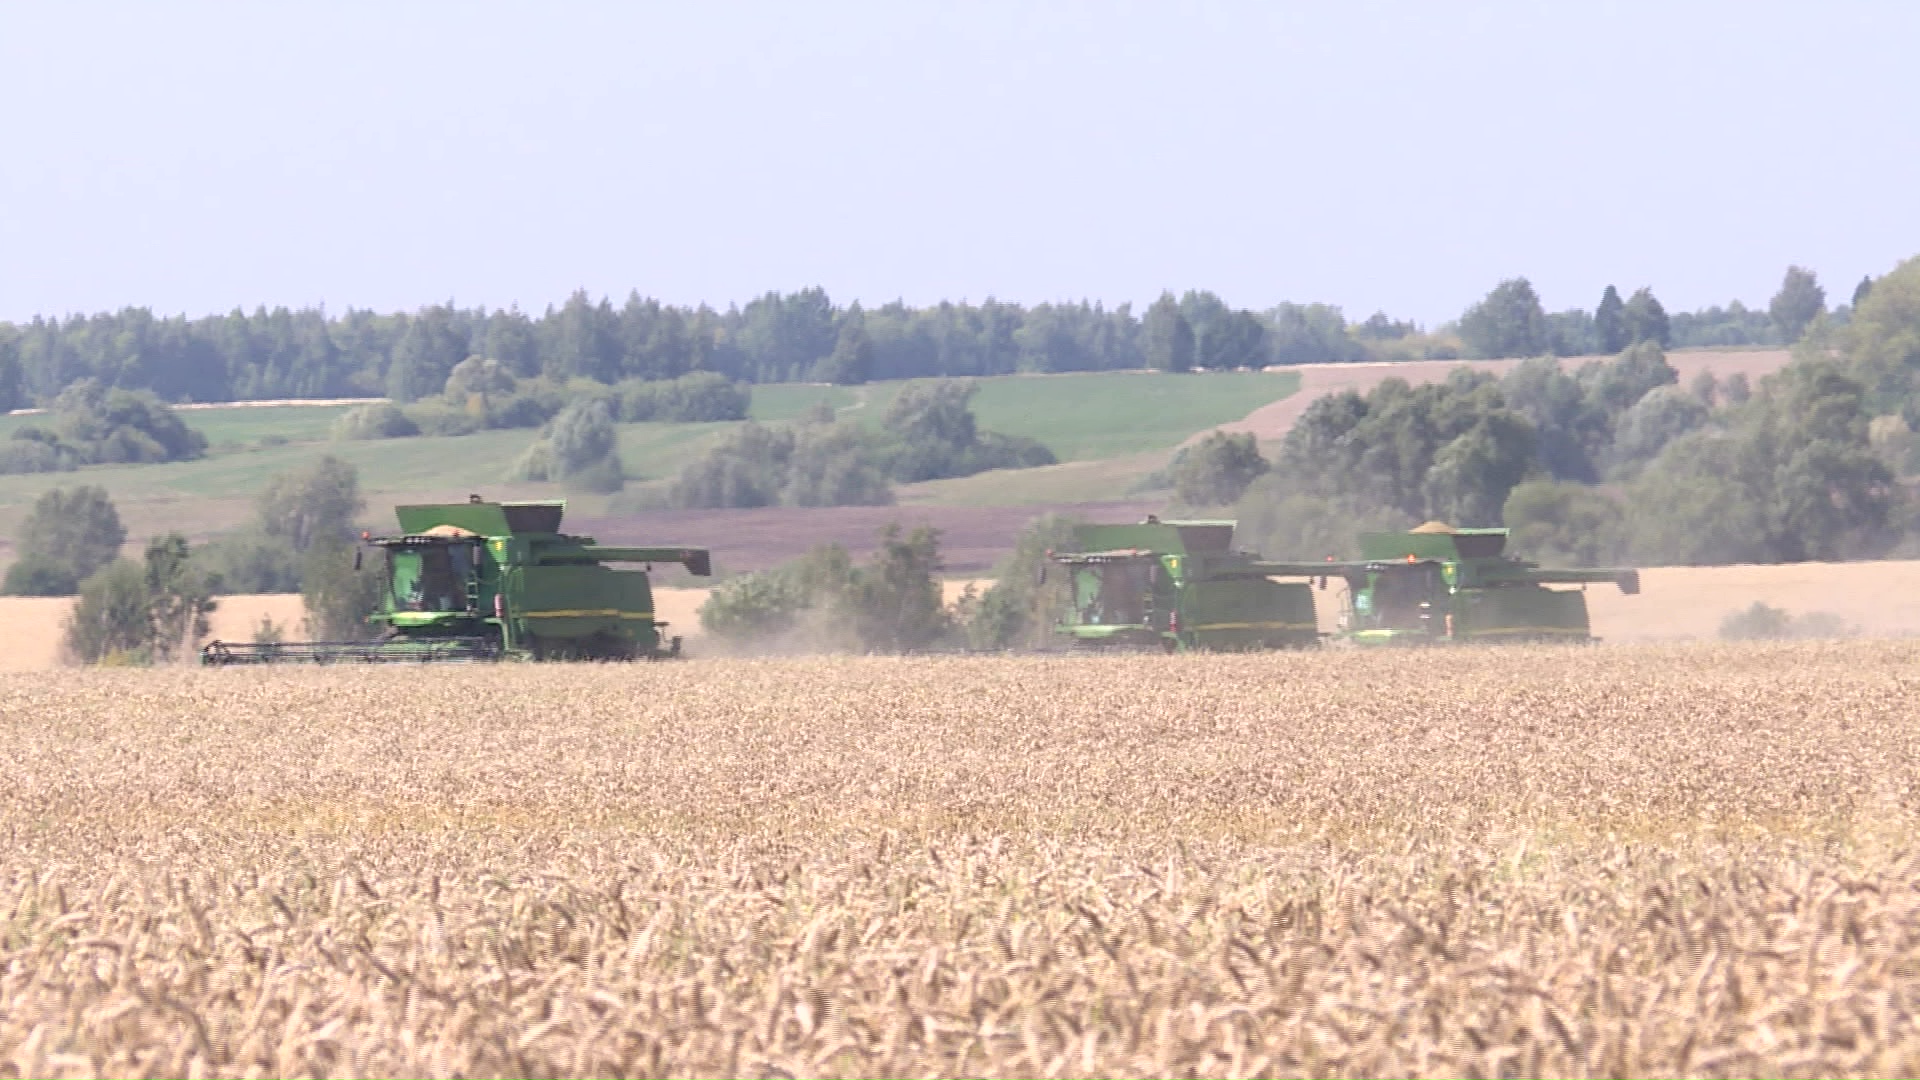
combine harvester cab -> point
(486, 581)
(1179, 585)
(1439, 584)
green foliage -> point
(339, 588)
(815, 464)
(1735, 324)
(833, 465)
(1560, 524)
(1610, 322)
(1216, 470)
(1617, 385)
(1225, 339)
(1793, 478)
(146, 612)
(756, 607)
(1646, 319)
(579, 448)
(380, 420)
(1799, 300)
(480, 376)
(1019, 610)
(1572, 425)
(250, 561)
(1737, 390)
(1659, 417)
(94, 425)
(1451, 449)
(111, 621)
(69, 534)
(311, 505)
(930, 434)
(1883, 338)
(1861, 290)
(302, 505)
(891, 603)
(1509, 322)
(694, 398)
(1169, 337)
(12, 380)
(851, 362)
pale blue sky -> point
(195, 157)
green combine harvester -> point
(478, 581)
(1180, 585)
(1437, 583)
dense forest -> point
(805, 336)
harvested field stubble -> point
(1688, 860)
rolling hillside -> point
(1083, 418)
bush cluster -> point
(94, 425)
(928, 433)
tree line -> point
(1613, 460)
(1511, 321)
(804, 336)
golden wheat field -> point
(1625, 860)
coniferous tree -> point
(1610, 322)
(1861, 290)
(1169, 336)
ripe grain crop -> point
(1683, 860)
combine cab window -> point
(1401, 593)
(431, 578)
(1115, 593)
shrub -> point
(142, 612)
(1764, 622)
(380, 420)
(823, 601)
(1020, 608)
(579, 448)
(696, 397)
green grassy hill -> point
(1111, 429)
(1082, 417)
